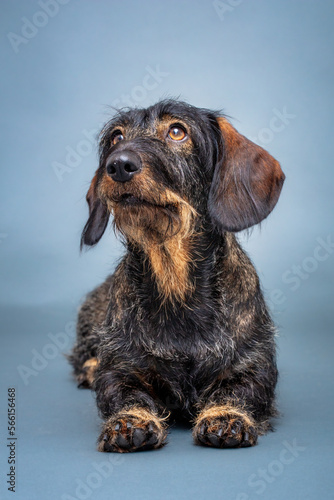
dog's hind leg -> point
(91, 316)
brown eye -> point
(117, 136)
(176, 133)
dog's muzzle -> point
(123, 165)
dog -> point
(181, 329)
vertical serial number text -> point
(11, 439)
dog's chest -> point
(175, 384)
(186, 334)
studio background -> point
(269, 66)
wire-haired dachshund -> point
(181, 328)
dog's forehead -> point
(164, 112)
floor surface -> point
(57, 426)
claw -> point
(138, 437)
(236, 427)
(122, 442)
(107, 446)
(214, 440)
(152, 440)
(250, 438)
(246, 441)
(150, 427)
(202, 429)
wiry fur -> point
(181, 327)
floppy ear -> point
(98, 217)
(246, 183)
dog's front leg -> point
(236, 412)
(133, 421)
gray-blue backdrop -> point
(268, 65)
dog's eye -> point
(176, 133)
(116, 137)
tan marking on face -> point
(162, 127)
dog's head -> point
(167, 166)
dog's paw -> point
(135, 429)
(225, 427)
(86, 378)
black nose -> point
(123, 165)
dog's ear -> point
(246, 183)
(98, 217)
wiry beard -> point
(144, 222)
(162, 224)
(164, 233)
(145, 215)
